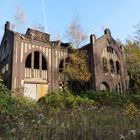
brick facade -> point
(106, 63)
(31, 62)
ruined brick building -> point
(106, 64)
(30, 63)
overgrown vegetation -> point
(76, 67)
(65, 101)
(132, 51)
(65, 115)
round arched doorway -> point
(104, 86)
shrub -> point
(135, 99)
(105, 98)
(65, 100)
(130, 111)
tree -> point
(132, 51)
(19, 19)
(137, 32)
(77, 66)
(75, 33)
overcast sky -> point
(94, 15)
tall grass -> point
(94, 123)
(60, 116)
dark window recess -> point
(104, 64)
(61, 66)
(118, 67)
(44, 63)
(28, 61)
(111, 66)
(109, 49)
(36, 60)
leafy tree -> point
(132, 51)
(76, 66)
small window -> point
(44, 64)
(104, 64)
(110, 49)
(111, 66)
(28, 61)
(118, 67)
(61, 66)
(36, 60)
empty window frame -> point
(44, 63)
(118, 67)
(110, 49)
(111, 66)
(104, 65)
(28, 61)
(36, 62)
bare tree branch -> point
(75, 33)
(19, 19)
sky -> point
(120, 16)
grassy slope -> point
(65, 116)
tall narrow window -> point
(44, 63)
(111, 66)
(61, 66)
(36, 60)
(104, 64)
(118, 67)
(28, 61)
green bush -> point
(21, 118)
(135, 99)
(65, 100)
(12, 106)
(105, 98)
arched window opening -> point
(61, 66)
(111, 66)
(44, 63)
(36, 60)
(28, 61)
(110, 49)
(104, 86)
(104, 65)
(118, 67)
(39, 61)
